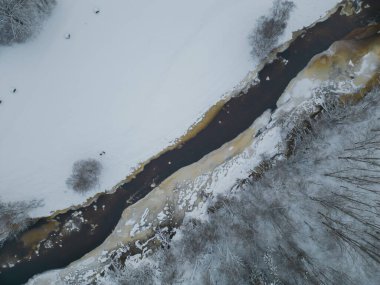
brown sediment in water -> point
(33, 237)
(163, 194)
(207, 117)
(344, 57)
(197, 178)
(372, 83)
(192, 132)
(362, 33)
(236, 115)
(341, 53)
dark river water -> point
(236, 116)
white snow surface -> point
(129, 81)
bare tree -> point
(311, 219)
(269, 28)
(19, 19)
(14, 218)
(85, 175)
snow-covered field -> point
(182, 195)
(129, 81)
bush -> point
(85, 175)
(269, 28)
(14, 218)
(20, 19)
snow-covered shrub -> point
(269, 28)
(311, 219)
(134, 272)
(85, 175)
(19, 19)
(14, 218)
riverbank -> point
(236, 116)
(194, 193)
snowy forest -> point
(311, 219)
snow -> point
(368, 65)
(128, 231)
(129, 81)
(161, 216)
(138, 227)
(217, 173)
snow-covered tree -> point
(269, 28)
(85, 175)
(19, 19)
(14, 218)
(311, 219)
